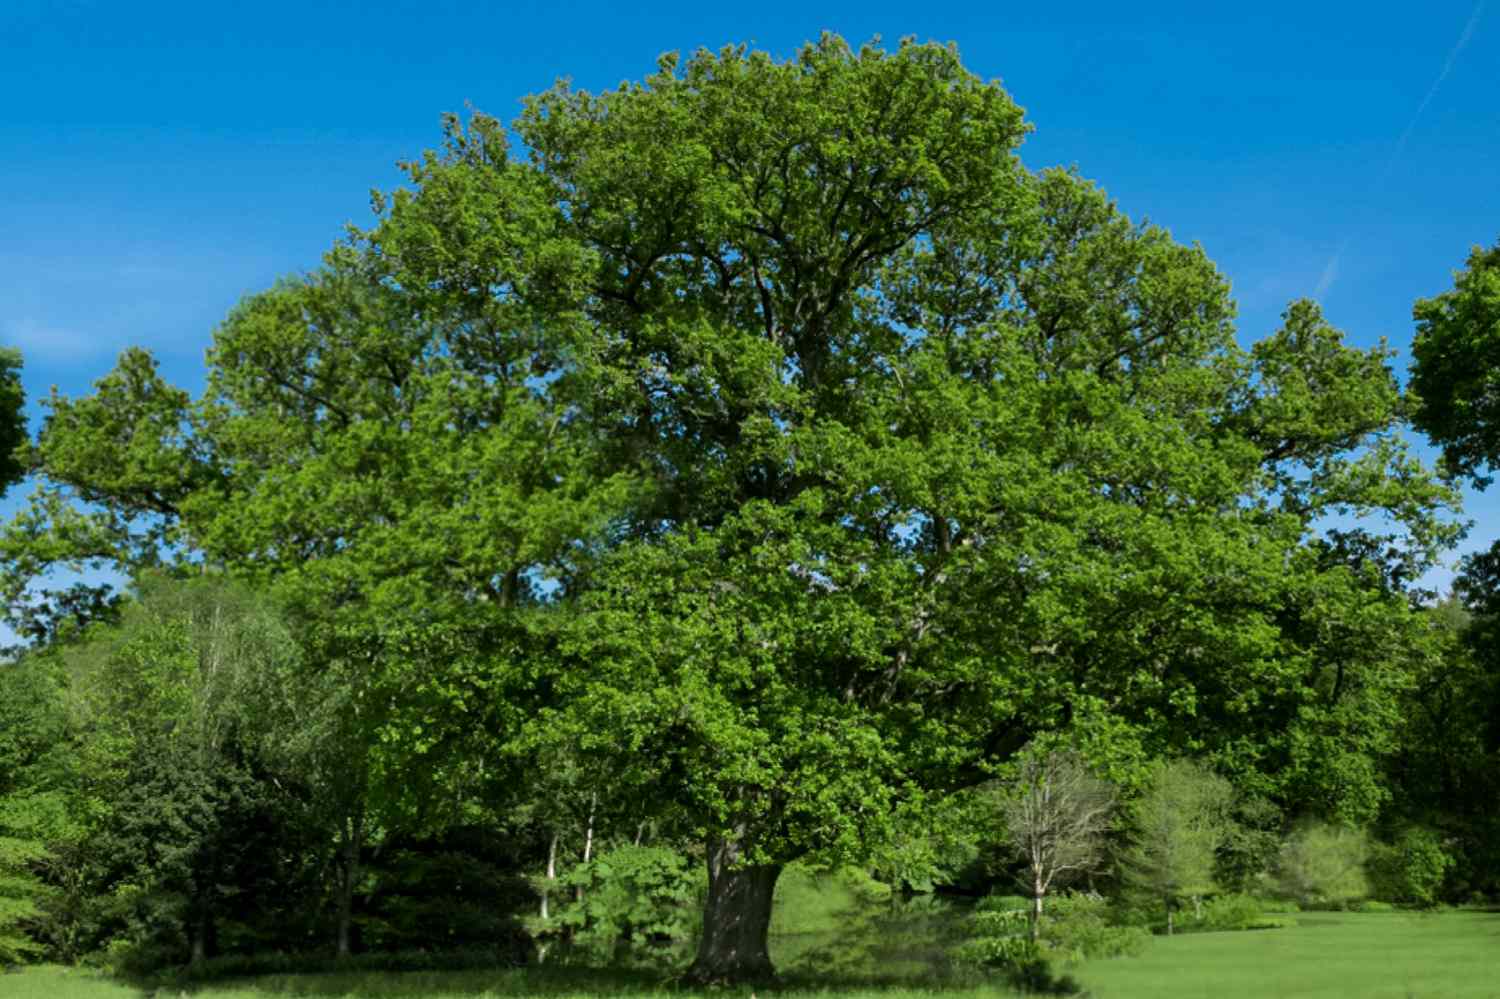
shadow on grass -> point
(435, 975)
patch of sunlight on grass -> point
(1399, 955)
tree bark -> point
(736, 919)
(202, 927)
(354, 835)
(588, 842)
(551, 874)
(1169, 917)
(1036, 914)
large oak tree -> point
(766, 436)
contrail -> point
(1331, 269)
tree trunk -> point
(588, 843)
(1169, 917)
(354, 831)
(736, 919)
(551, 873)
(1036, 913)
(202, 926)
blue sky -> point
(159, 160)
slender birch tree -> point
(1057, 815)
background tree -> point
(1178, 824)
(188, 827)
(12, 419)
(1056, 816)
(1443, 775)
(1455, 373)
(1324, 864)
(37, 766)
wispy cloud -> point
(49, 343)
(1453, 54)
(1331, 269)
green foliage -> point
(1079, 926)
(186, 821)
(1371, 905)
(1323, 865)
(1454, 362)
(13, 462)
(1178, 823)
(1074, 928)
(634, 905)
(1230, 912)
(18, 896)
(937, 840)
(1237, 911)
(1252, 839)
(1447, 772)
(458, 891)
(763, 436)
(1411, 869)
(37, 822)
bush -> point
(1078, 927)
(1324, 866)
(1075, 927)
(1230, 912)
(456, 891)
(639, 905)
(1371, 905)
(1277, 906)
(1026, 966)
(1410, 870)
(1239, 912)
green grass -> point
(67, 983)
(1366, 955)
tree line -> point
(734, 469)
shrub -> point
(1371, 905)
(1277, 906)
(1025, 965)
(1075, 927)
(1240, 912)
(638, 905)
(1231, 912)
(1322, 865)
(1411, 870)
(1078, 927)
(455, 891)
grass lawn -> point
(66, 983)
(1366, 955)
(1363, 955)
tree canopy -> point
(12, 418)
(764, 437)
(1455, 373)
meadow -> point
(1402, 955)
